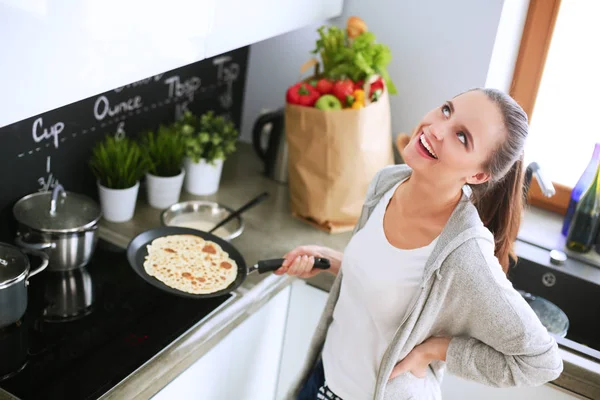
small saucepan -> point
(137, 252)
(62, 224)
(15, 272)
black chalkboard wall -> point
(55, 146)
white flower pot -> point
(202, 178)
(163, 191)
(118, 205)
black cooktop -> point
(87, 330)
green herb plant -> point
(164, 150)
(118, 163)
(210, 137)
(356, 59)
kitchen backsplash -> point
(55, 146)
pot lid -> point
(551, 316)
(74, 212)
(13, 264)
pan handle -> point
(274, 264)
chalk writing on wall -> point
(55, 146)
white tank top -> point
(379, 282)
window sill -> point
(542, 228)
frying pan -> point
(137, 252)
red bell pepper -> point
(343, 90)
(302, 94)
(324, 86)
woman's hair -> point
(500, 200)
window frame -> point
(527, 75)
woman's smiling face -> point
(455, 141)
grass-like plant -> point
(118, 163)
(165, 151)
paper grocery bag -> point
(333, 156)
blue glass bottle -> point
(582, 184)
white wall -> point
(274, 65)
(506, 47)
(440, 48)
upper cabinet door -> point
(239, 23)
(55, 52)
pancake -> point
(190, 264)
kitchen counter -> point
(542, 228)
(270, 231)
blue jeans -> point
(315, 381)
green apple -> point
(328, 102)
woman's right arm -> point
(505, 343)
(300, 261)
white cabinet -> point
(57, 52)
(455, 388)
(242, 366)
(239, 23)
(305, 308)
(260, 358)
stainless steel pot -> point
(63, 224)
(14, 277)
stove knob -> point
(557, 257)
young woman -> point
(422, 284)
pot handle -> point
(32, 246)
(43, 265)
(35, 249)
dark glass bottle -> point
(584, 226)
(583, 183)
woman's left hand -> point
(421, 356)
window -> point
(564, 125)
(557, 82)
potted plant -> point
(118, 164)
(164, 150)
(209, 140)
